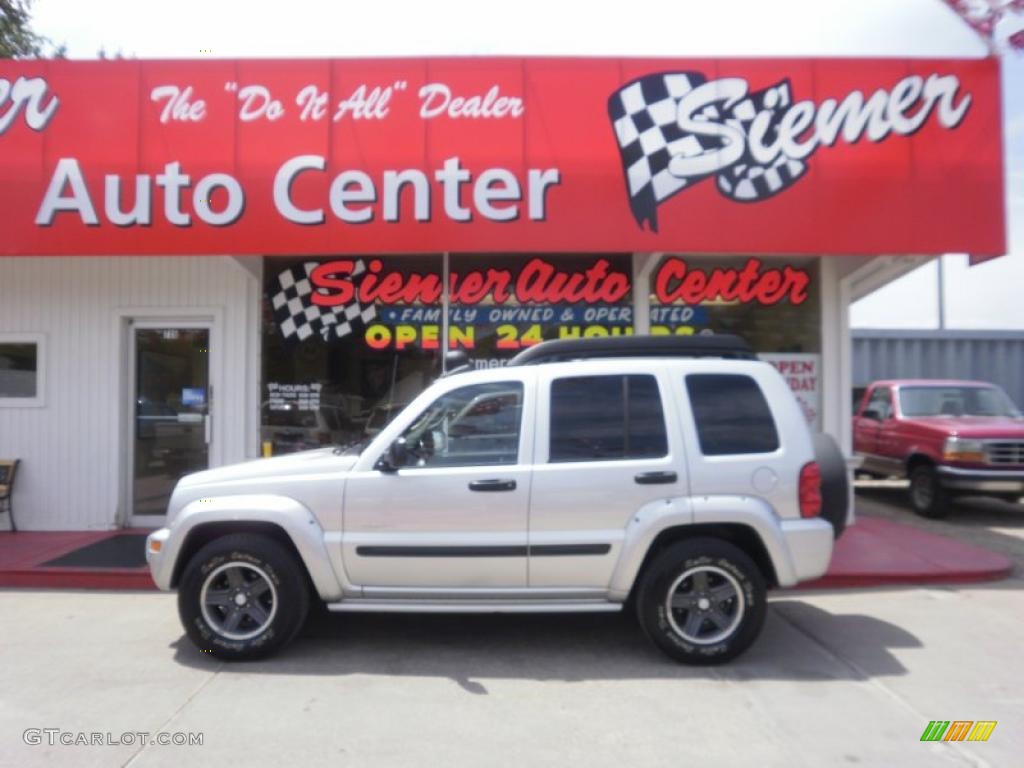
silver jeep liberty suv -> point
(673, 475)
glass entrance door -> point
(171, 424)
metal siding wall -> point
(996, 356)
(69, 478)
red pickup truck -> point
(949, 437)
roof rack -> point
(712, 345)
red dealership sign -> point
(502, 155)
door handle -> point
(492, 485)
(656, 478)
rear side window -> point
(595, 418)
(731, 414)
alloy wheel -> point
(705, 605)
(238, 600)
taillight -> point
(810, 490)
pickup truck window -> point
(955, 401)
(731, 414)
(469, 426)
(604, 418)
(880, 403)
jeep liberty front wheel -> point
(702, 601)
(242, 596)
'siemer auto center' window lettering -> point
(731, 414)
(603, 418)
(469, 426)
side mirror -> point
(395, 457)
(872, 413)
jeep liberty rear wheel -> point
(702, 601)
(927, 496)
(242, 596)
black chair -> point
(8, 469)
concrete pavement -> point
(837, 678)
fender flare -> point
(658, 516)
(297, 521)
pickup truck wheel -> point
(242, 596)
(702, 601)
(927, 496)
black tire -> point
(927, 496)
(835, 482)
(745, 617)
(243, 556)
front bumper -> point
(982, 480)
(158, 559)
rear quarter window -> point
(731, 414)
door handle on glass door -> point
(492, 485)
(655, 478)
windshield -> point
(956, 401)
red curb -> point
(23, 554)
(77, 578)
(877, 553)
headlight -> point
(959, 449)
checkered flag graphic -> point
(644, 115)
(748, 181)
(298, 317)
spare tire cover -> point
(835, 482)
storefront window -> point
(336, 364)
(774, 304)
(349, 341)
(502, 304)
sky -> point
(986, 296)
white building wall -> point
(70, 446)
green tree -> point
(17, 40)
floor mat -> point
(127, 550)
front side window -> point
(731, 414)
(469, 426)
(20, 372)
(603, 418)
(956, 401)
(881, 403)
